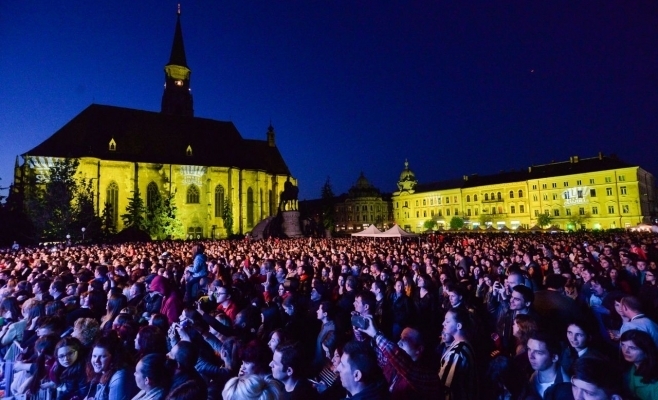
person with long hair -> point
(252, 387)
(579, 337)
(150, 340)
(638, 349)
(114, 306)
(14, 324)
(109, 376)
(401, 309)
(68, 374)
(27, 379)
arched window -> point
(475, 197)
(520, 193)
(250, 207)
(511, 194)
(468, 198)
(192, 194)
(112, 202)
(219, 201)
(486, 196)
(499, 196)
(152, 195)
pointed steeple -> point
(270, 135)
(177, 56)
(177, 96)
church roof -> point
(177, 56)
(145, 136)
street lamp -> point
(83, 229)
(68, 239)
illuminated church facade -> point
(202, 163)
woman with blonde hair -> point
(252, 387)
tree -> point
(108, 227)
(456, 222)
(485, 219)
(430, 224)
(161, 221)
(134, 216)
(51, 207)
(85, 215)
(544, 219)
(227, 214)
(328, 213)
(578, 220)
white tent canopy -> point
(370, 231)
(396, 231)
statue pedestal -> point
(290, 225)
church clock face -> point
(178, 82)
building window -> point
(521, 208)
(397, 204)
(493, 196)
(545, 197)
(611, 209)
(192, 194)
(438, 200)
(250, 207)
(579, 182)
(456, 211)
(622, 189)
(219, 201)
(591, 181)
(454, 199)
(424, 202)
(592, 192)
(477, 211)
(152, 195)
(543, 186)
(556, 213)
(431, 213)
(568, 211)
(608, 179)
(112, 202)
(195, 232)
(520, 194)
(625, 208)
(468, 212)
(512, 209)
(416, 203)
(406, 204)
(447, 199)
(536, 213)
(440, 213)
(113, 145)
(468, 198)
(534, 197)
(431, 202)
(447, 212)
(417, 214)
(566, 184)
(622, 178)
(580, 193)
(424, 214)
(486, 196)
(595, 210)
(534, 187)
(608, 191)
(554, 196)
(511, 194)
(581, 211)
(554, 185)
(475, 197)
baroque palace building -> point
(361, 206)
(203, 163)
(602, 192)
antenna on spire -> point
(178, 12)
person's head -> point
(159, 320)
(49, 325)
(56, 288)
(587, 272)
(600, 284)
(151, 339)
(524, 326)
(252, 387)
(151, 372)
(185, 354)
(543, 351)
(358, 367)
(85, 330)
(68, 351)
(115, 303)
(136, 289)
(579, 335)
(9, 309)
(33, 308)
(378, 288)
(514, 279)
(106, 358)
(411, 341)
(398, 287)
(277, 337)
(455, 294)
(40, 286)
(326, 311)
(287, 362)
(230, 353)
(594, 379)
(223, 294)
(521, 298)
(456, 322)
(365, 302)
(256, 357)
(638, 348)
(630, 306)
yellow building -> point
(201, 162)
(602, 192)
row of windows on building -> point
(625, 209)
(358, 208)
(359, 218)
(579, 182)
(192, 196)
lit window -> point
(622, 178)
(608, 179)
(581, 211)
(622, 189)
(611, 209)
(520, 194)
(579, 182)
(592, 192)
(521, 208)
(608, 191)
(554, 185)
(475, 197)
(219, 201)
(512, 210)
(591, 181)
(625, 209)
(566, 184)
(192, 195)
(511, 194)
(556, 213)
(595, 210)
(568, 211)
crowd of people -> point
(454, 316)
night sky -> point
(454, 87)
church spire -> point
(177, 96)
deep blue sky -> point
(455, 87)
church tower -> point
(177, 96)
